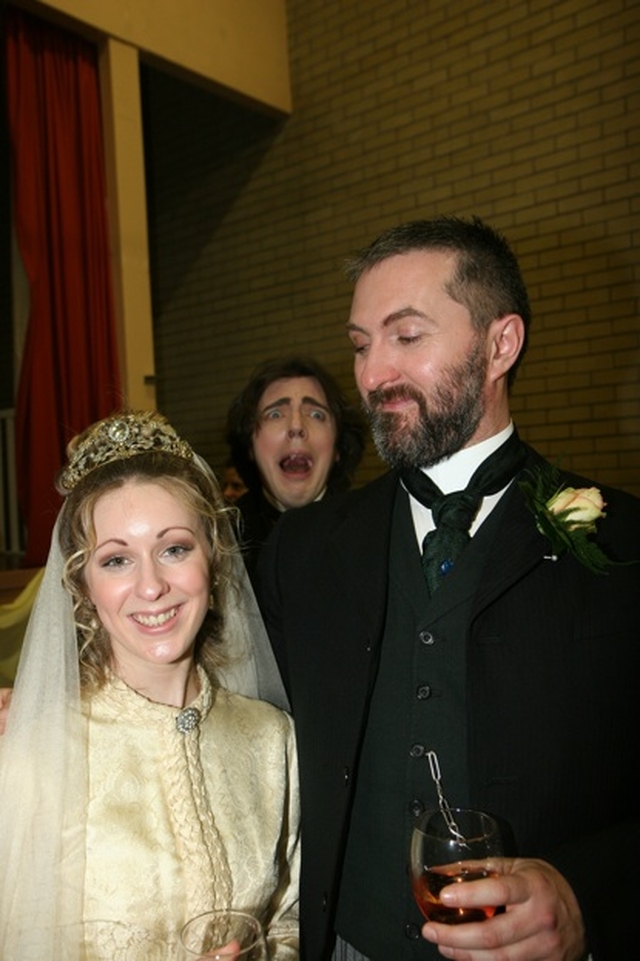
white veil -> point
(43, 780)
(43, 764)
(252, 669)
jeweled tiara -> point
(116, 438)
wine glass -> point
(450, 846)
(223, 936)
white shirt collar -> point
(454, 473)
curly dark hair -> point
(242, 418)
(486, 280)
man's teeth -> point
(155, 620)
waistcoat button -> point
(423, 692)
(412, 931)
(417, 750)
(427, 637)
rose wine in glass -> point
(452, 847)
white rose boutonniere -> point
(580, 507)
(567, 516)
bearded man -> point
(457, 607)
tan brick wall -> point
(525, 112)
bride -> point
(138, 782)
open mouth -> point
(296, 464)
(155, 620)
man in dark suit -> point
(516, 661)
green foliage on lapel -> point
(569, 529)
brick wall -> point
(525, 113)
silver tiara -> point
(119, 437)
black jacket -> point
(556, 702)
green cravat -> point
(453, 513)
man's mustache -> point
(377, 398)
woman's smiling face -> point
(148, 576)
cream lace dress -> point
(191, 810)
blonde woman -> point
(135, 785)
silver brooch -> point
(187, 719)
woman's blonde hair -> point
(197, 490)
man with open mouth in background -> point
(293, 438)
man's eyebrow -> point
(280, 402)
(286, 402)
(408, 311)
(392, 318)
(314, 402)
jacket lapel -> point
(507, 547)
(359, 551)
(517, 547)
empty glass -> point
(223, 936)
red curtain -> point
(69, 376)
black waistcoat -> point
(418, 705)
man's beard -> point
(442, 427)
